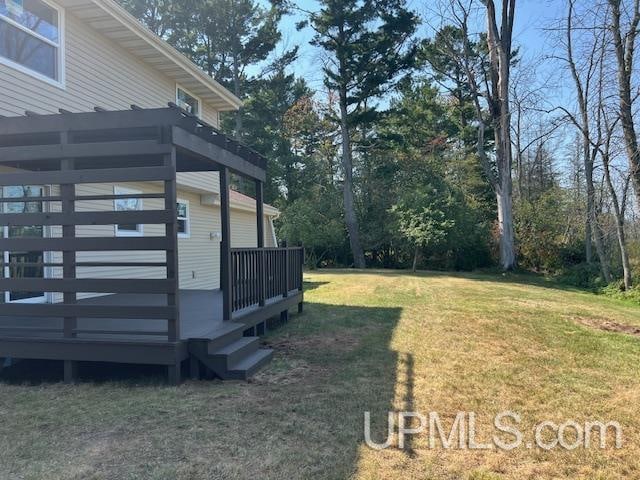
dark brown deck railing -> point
(261, 274)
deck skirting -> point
(154, 353)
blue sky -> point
(531, 17)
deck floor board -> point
(200, 317)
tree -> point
(499, 42)
(367, 45)
(488, 80)
(231, 36)
(267, 127)
(583, 82)
(606, 129)
(223, 37)
(422, 214)
(160, 16)
(624, 45)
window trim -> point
(187, 219)
(139, 232)
(195, 97)
(60, 49)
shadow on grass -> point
(353, 370)
(308, 286)
(332, 364)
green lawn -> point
(374, 341)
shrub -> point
(582, 275)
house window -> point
(127, 205)
(184, 224)
(31, 38)
(186, 101)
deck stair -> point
(229, 354)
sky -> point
(531, 18)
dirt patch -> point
(288, 373)
(289, 366)
(608, 325)
(343, 342)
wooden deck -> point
(142, 320)
(200, 312)
(203, 333)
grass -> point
(374, 341)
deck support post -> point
(70, 371)
(68, 206)
(287, 261)
(174, 373)
(194, 368)
(284, 316)
(260, 242)
(300, 307)
(171, 232)
(225, 245)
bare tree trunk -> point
(593, 218)
(499, 43)
(597, 240)
(507, 246)
(582, 91)
(588, 240)
(624, 45)
(620, 231)
(351, 219)
(416, 254)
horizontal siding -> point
(205, 181)
(199, 255)
(98, 73)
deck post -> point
(285, 292)
(174, 373)
(301, 279)
(67, 194)
(225, 245)
(171, 232)
(194, 367)
(260, 243)
(70, 371)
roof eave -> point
(130, 22)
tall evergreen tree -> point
(368, 45)
(159, 16)
(265, 120)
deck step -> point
(250, 365)
(224, 335)
(236, 351)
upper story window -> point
(31, 37)
(187, 101)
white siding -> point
(98, 73)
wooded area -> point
(434, 143)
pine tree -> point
(368, 44)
